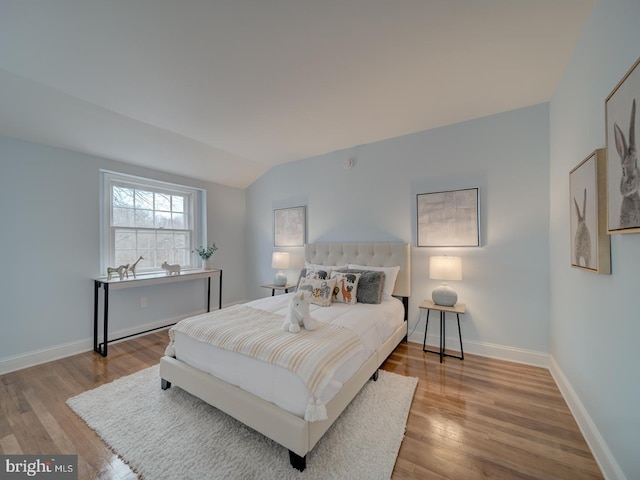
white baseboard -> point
(603, 456)
(500, 352)
(18, 362)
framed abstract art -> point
(289, 227)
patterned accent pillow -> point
(314, 274)
(370, 286)
(346, 287)
(320, 290)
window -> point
(153, 220)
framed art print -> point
(590, 248)
(448, 219)
(289, 227)
(623, 176)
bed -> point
(269, 399)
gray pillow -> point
(370, 286)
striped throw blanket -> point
(312, 355)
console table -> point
(142, 281)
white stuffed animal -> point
(298, 314)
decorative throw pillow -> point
(346, 287)
(390, 272)
(320, 290)
(313, 274)
(370, 285)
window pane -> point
(122, 197)
(122, 217)
(179, 256)
(125, 240)
(177, 220)
(146, 241)
(163, 202)
(177, 203)
(124, 257)
(163, 220)
(144, 218)
(144, 200)
(164, 240)
(181, 240)
(164, 256)
(149, 259)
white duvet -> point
(373, 324)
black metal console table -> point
(142, 281)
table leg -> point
(220, 291)
(96, 286)
(442, 334)
(460, 336)
(105, 338)
(426, 326)
(208, 294)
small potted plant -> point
(205, 254)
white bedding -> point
(372, 323)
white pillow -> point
(391, 273)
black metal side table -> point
(458, 308)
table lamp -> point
(445, 268)
(280, 261)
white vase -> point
(207, 264)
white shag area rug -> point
(170, 434)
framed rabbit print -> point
(623, 176)
(590, 248)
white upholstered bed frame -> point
(287, 429)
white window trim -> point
(197, 200)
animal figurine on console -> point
(630, 181)
(132, 268)
(171, 269)
(122, 271)
(298, 314)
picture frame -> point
(449, 218)
(289, 227)
(590, 243)
(623, 176)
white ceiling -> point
(224, 90)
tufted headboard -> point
(371, 254)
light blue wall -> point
(505, 282)
(51, 250)
(594, 319)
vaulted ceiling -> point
(224, 90)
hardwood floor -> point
(471, 419)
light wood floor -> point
(477, 418)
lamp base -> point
(280, 279)
(444, 296)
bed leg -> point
(165, 384)
(297, 462)
(374, 377)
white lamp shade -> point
(445, 268)
(280, 260)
